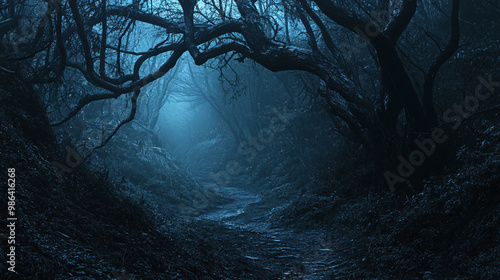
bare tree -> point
(92, 37)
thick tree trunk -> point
(401, 93)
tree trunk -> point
(400, 90)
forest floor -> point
(338, 226)
(342, 227)
(284, 252)
(83, 226)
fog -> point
(242, 139)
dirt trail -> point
(288, 253)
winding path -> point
(293, 255)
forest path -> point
(285, 253)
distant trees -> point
(156, 95)
(356, 49)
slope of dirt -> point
(450, 229)
(84, 227)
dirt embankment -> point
(82, 227)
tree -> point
(89, 38)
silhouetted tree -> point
(97, 39)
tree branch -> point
(399, 24)
(125, 121)
(446, 54)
